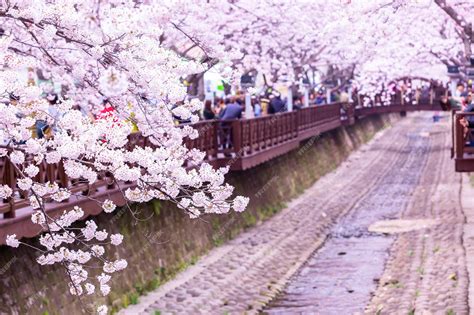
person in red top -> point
(107, 111)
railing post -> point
(248, 106)
(458, 137)
(251, 126)
(9, 180)
(237, 136)
(298, 122)
(63, 180)
(215, 144)
(290, 99)
(49, 173)
(350, 113)
(295, 126)
(306, 97)
(453, 137)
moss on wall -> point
(162, 241)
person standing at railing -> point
(458, 98)
(320, 99)
(297, 103)
(335, 96)
(219, 106)
(208, 112)
(277, 105)
(425, 95)
(312, 98)
(344, 97)
(257, 108)
(468, 121)
(469, 99)
(469, 109)
(232, 111)
(264, 106)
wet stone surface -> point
(344, 273)
(341, 277)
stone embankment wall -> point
(160, 240)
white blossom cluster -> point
(77, 250)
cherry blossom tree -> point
(458, 12)
(134, 56)
(373, 40)
(113, 52)
(392, 39)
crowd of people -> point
(228, 108)
(233, 106)
(462, 100)
(270, 102)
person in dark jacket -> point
(297, 103)
(276, 105)
(469, 109)
(232, 111)
(320, 99)
(468, 121)
(208, 113)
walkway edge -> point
(467, 203)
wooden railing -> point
(462, 150)
(239, 144)
(221, 140)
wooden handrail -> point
(459, 138)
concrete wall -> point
(159, 247)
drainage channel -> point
(342, 275)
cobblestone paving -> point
(247, 273)
(426, 272)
